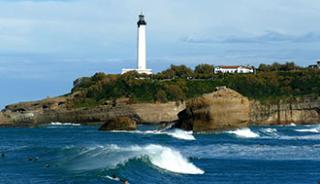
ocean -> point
(76, 154)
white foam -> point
(180, 134)
(112, 178)
(311, 130)
(64, 124)
(244, 132)
(176, 133)
(111, 156)
(269, 130)
(171, 160)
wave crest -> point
(244, 133)
(110, 156)
(310, 130)
(64, 124)
(171, 160)
(175, 133)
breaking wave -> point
(269, 130)
(311, 129)
(64, 124)
(175, 133)
(111, 156)
(244, 133)
(269, 133)
(180, 134)
(291, 125)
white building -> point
(317, 66)
(142, 49)
(233, 69)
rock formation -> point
(220, 110)
(56, 110)
(158, 112)
(304, 110)
(119, 123)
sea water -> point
(71, 153)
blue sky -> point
(46, 44)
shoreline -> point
(298, 111)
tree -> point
(275, 66)
(161, 96)
(175, 92)
(204, 69)
(130, 75)
(179, 71)
(98, 76)
(289, 66)
(264, 68)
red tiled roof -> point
(230, 67)
(234, 67)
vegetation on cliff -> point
(179, 83)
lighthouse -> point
(141, 48)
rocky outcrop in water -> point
(119, 123)
(220, 110)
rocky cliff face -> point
(4, 120)
(304, 110)
(55, 110)
(227, 109)
(220, 110)
(158, 112)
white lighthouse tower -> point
(141, 49)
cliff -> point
(227, 109)
(219, 110)
(57, 110)
(299, 110)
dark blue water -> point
(81, 154)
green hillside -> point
(179, 83)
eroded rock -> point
(220, 110)
(119, 123)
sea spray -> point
(181, 134)
(175, 133)
(244, 132)
(64, 124)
